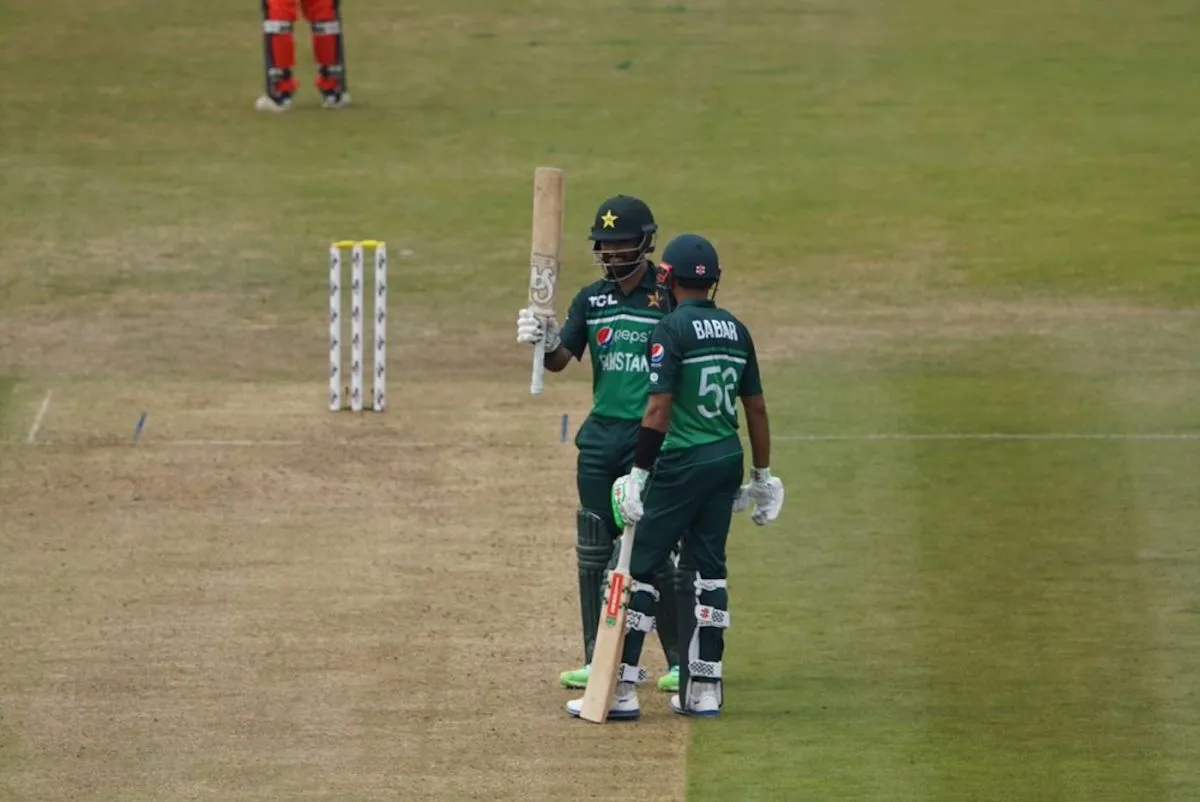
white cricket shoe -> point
(624, 705)
(703, 700)
(268, 103)
(336, 100)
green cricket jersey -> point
(704, 356)
(615, 329)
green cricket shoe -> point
(578, 677)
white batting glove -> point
(532, 330)
(627, 497)
(766, 493)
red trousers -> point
(279, 45)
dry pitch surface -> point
(259, 600)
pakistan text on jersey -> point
(710, 329)
(625, 363)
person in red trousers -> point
(279, 52)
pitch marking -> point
(37, 420)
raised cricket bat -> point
(544, 256)
(610, 638)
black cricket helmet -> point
(622, 234)
(693, 259)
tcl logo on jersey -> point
(601, 301)
(656, 354)
(607, 335)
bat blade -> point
(610, 638)
(545, 254)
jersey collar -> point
(705, 304)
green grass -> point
(987, 147)
(961, 619)
(936, 217)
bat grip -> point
(536, 382)
(625, 555)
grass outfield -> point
(965, 238)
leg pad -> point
(593, 550)
(704, 616)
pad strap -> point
(702, 584)
(644, 587)
(276, 26)
(707, 616)
(639, 621)
(705, 669)
(328, 28)
(629, 673)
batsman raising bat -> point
(687, 473)
(611, 319)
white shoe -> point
(624, 705)
(336, 100)
(268, 103)
(704, 699)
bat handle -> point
(536, 381)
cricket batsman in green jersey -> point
(612, 320)
(686, 479)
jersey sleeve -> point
(574, 330)
(666, 359)
(751, 380)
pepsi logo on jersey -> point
(607, 335)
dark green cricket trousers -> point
(605, 454)
(689, 497)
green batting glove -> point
(627, 497)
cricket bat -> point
(544, 256)
(610, 637)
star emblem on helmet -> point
(700, 270)
(610, 219)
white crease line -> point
(1002, 436)
(813, 438)
(37, 420)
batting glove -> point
(627, 497)
(532, 329)
(765, 492)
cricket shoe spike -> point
(273, 105)
(575, 678)
(336, 100)
(624, 706)
(704, 700)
